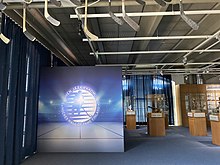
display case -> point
(213, 101)
(192, 98)
(156, 103)
(195, 102)
(156, 106)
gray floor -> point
(177, 148)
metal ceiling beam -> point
(202, 44)
(67, 4)
(151, 38)
(41, 39)
(149, 14)
(159, 64)
(154, 52)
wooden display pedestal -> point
(215, 126)
(156, 124)
(131, 120)
(197, 124)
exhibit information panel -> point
(80, 110)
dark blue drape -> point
(137, 87)
(19, 77)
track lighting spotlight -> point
(184, 60)
(2, 6)
(218, 36)
(115, 18)
(27, 1)
(127, 19)
(190, 22)
(141, 2)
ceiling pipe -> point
(41, 39)
(56, 41)
(201, 21)
(202, 44)
(149, 14)
(45, 30)
(151, 38)
(209, 47)
(159, 64)
(68, 4)
(153, 52)
(128, 72)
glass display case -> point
(156, 103)
(195, 102)
(213, 98)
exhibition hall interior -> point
(109, 82)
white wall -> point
(178, 79)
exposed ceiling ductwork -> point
(166, 32)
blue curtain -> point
(19, 78)
(137, 87)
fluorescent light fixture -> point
(48, 16)
(85, 29)
(127, 19)
(116, 19)
(56, 3)
(76, 2)
(26, 33)
(190, 22)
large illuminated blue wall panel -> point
(80, 110)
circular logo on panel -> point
(80, 105)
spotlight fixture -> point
(27, 1)
(2, 6)
(189, 21)
(85, 29)
(218, 36)
(184, 60)
(161, 73)
(116, 19)
(127, 19)
(26, 33)
(79, 27)
(141, 2)
(186, 77)
(48, 16)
